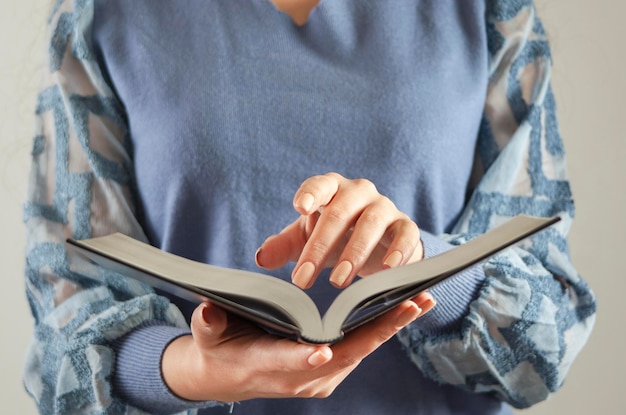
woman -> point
(200, 126)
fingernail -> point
(205, 315)
(304, 274)
(319, 357)
(305, 201)
(393, 260)
(427, 305)
(407, 316)
(256, 257)
(341, 274)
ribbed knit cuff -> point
(453, 295)
(137, 377)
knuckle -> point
(335, 214)
(286, 388)
(333, 176)
(319, 248)
(385, 207)
(385, 334)
(314, 184)
(311, 390)
(279, 364)
(324, 393)
(405, 228)
(347, 361)
(386, 203)
(357, 251)
(365, 185)
(373, 217)
(406, 221)
(411, 233)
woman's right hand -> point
(227, 359)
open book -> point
(282, 307)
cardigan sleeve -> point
(81, 186)
(533, 312)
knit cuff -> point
(453, 295)
(137, 377)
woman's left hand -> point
(345, 224)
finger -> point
(334, 222)
(208, 323)
(405, 245)
(316, 191)
(211, 327)
(286, 246)
(370, 227)
(364, 340)
(425, 301)
(273, 354)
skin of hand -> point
(344, 222)
(226, 359)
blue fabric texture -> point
(125, 144)
(142, 349)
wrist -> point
(179, 366)
(138, 375)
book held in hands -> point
(283, 308)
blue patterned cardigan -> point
(518, 339)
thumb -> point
(208, 323)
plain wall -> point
(590, 88)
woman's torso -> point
(231, 106)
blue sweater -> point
(254, 105)
(206, 118)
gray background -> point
(588, 79)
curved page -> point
(392, 286)
(279, 305)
